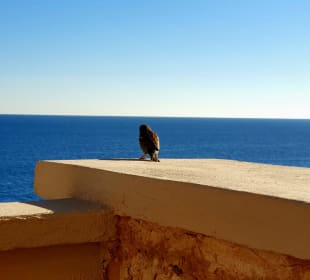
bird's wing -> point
(154, 139)
(157, 142)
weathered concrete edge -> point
(253, 220)
(54, 222)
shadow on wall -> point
(64, 205)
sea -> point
(27, 139)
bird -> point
(149, 142)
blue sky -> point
(237, 58)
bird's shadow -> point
(126, 159)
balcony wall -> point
(177, 219)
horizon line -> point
(152, 116)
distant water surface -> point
(26, 139)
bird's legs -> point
(154, 157)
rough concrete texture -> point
(149, 251)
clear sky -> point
(220, 58)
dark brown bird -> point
(149, 142)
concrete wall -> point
(56, 239)
(177, 219)
(78, 261)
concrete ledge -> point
(260, 206)
(54, 222)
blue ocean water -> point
(26, 139)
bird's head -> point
(144, 128)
